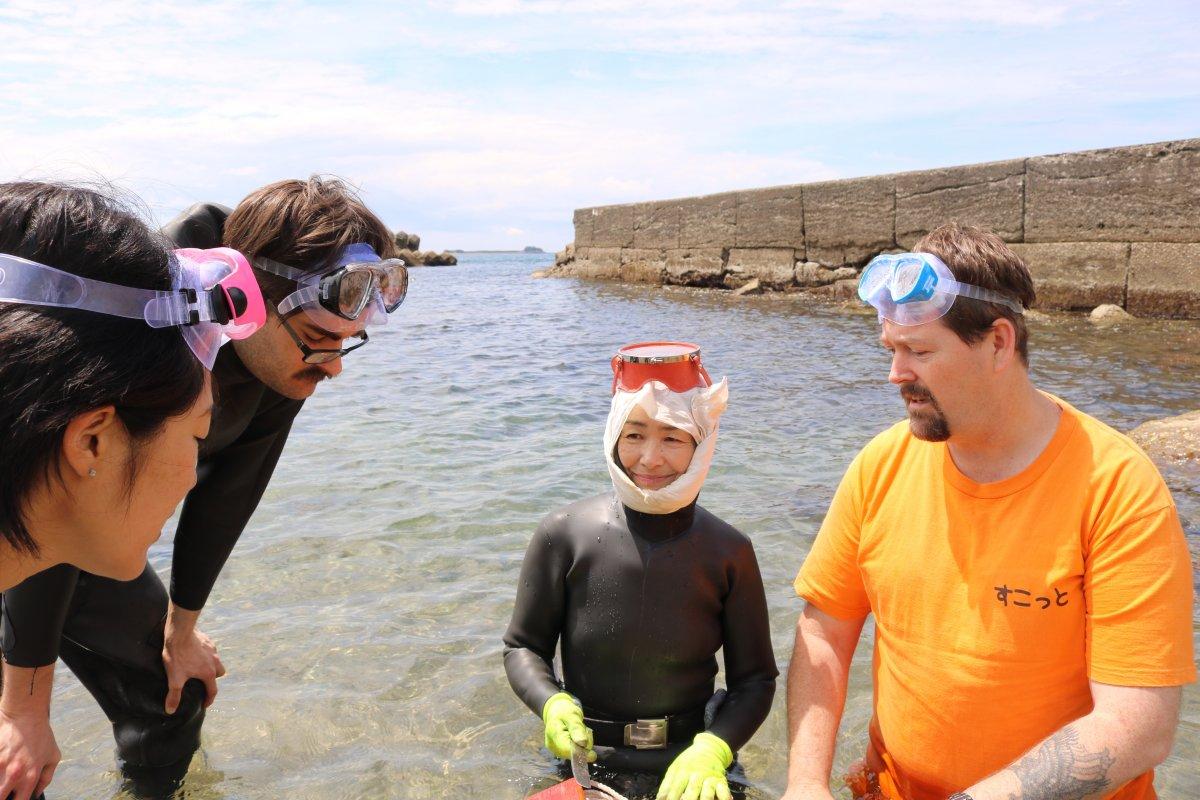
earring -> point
(91, 473)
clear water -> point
(360, 616)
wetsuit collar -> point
(660, 527)
(229, 369)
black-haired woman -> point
(102, 401)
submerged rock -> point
(1174, 440)
(1110, 313)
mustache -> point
(915, 391)
(314, 375)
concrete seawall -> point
(1119, 226)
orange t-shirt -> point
(995, 603)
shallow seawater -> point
(360, 616)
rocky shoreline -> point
(408, 246)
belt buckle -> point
(646, 734)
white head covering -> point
(696, 411)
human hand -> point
(188, 653)
(28, 754)
(565, 728)
(698, 773)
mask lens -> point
(873, 278)
(353, 292)
(905, 281)
(393, 285)
(914, 280)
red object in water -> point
(676, 364)
(567, 790)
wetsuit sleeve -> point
(750, 668)
(201, 226)
(230, 483)
(538, 617)
(35, 611)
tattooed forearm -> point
(32, 679)
(1062, 769)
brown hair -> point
(304, 224)
(982, 258)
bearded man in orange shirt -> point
(1025, 565)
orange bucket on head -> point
(676, 364)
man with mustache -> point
(135, 646)
(1024, 563)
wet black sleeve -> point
(201, 226)
(750, 669)
(230, 484)
(35, 611)
(538, 616)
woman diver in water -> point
(643, 587)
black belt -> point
(646, 734)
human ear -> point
(1004, 343)
(90, 439)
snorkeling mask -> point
(915, 288)
(214, 296)
(361, 287)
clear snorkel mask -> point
(361, 288)
(213, 296)
(915, 288)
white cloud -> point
(454, 115)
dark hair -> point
(57, 363)
(304, 224)
(982, 258)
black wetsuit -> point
(110, 633)
(642, 603)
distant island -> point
(529, 249)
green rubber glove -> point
(698, 773)
(564, 727)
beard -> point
(928, 424)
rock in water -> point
(751, 287)
(1110, 313)
(1174, 440)
(407, 241)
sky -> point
(482, 124)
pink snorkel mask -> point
(213, 296)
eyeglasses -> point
(313, 355)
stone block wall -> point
(1120, 226)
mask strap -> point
(979, 293)
(282, 270)
(304, 296)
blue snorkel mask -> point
(361, 288)
(915, 288)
